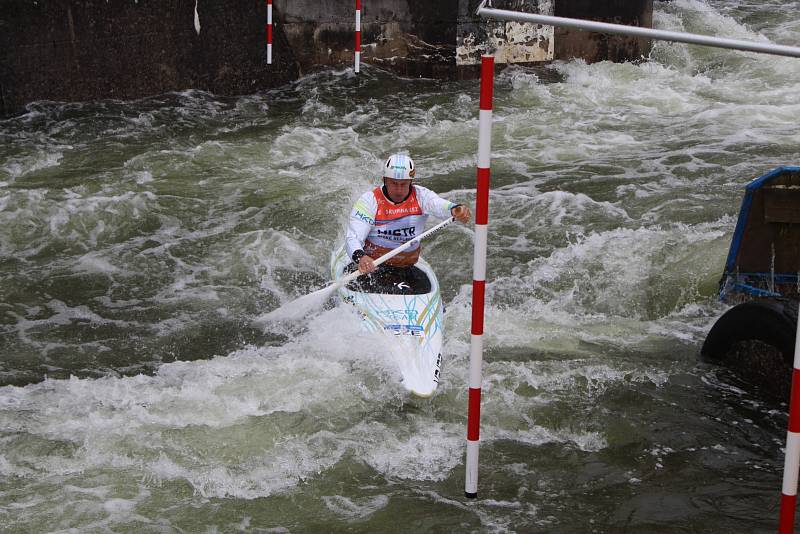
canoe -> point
(406, 306)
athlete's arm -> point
(440, 207)
(362, 218)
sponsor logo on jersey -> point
(364, 217)
(398, 232)
(401, 210)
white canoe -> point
(413, 320)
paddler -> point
(388, 216)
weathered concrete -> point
(572, 43)
(411, 37)
(509, 42)
(75, 50)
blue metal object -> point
(737, 282)
(740, 287)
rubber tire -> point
(771, 322)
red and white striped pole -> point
(479, 276)
(358, 36)
(791, 464)
(269, 32)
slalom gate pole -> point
(358, 36)
(792, 460)
(269, 32)
(479, 274)
(791, 463)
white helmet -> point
(399, 167)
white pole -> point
(358, 36)
(269, 32)
(479, 275)
(621, 29)
(791, 463)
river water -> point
(139, 240)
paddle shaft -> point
(300, 307)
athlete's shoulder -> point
(365, 208)
(422, 190)
(425, 194)
(370, 195)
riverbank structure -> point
(83, 50)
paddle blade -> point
(298, 308)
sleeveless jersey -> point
(394, 225)
(377, 225)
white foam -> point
(305, 147)
(595, 275)
(429, 452)
(351, 508)
(137, 422)
(288, 464)
(119, 506)
(256, 252)
(705, 15)
(536, 436)
(603, 181)
(18, 167)
(562, 204)
(94, 262)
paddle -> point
(300, 307)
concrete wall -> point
(509, 42)
(412, 37)
(592, 47)
(76, 50)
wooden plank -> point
(782, 205)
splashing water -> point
(139, 241)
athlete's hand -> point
(461, 213)
(366, 265)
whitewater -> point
(140, 240)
